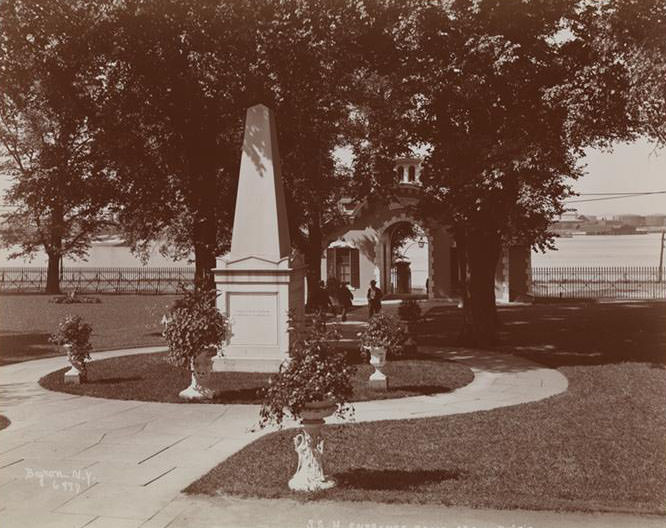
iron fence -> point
(613, 282)
(98, 280)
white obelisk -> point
(259, 282)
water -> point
(106, 255)
(620, 250)
(603, 250)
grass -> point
(568, 453)
(148, 377)
(26, 321)
(600, 446)
(4, 422)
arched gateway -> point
(385, 242)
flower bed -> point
(148, 377)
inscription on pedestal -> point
(254, 318)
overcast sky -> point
(635, 167)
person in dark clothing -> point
(345, 296)
(333, 291)
(321, 298)
(374, 299)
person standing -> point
(374, 299)
(333, 293)
(345, 296)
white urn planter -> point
(309, 446)
(201, 367)
(378, 380)
(78, 372)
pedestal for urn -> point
(260, 283)
(309, 447)
(378, 380)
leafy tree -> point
(509, 93)
(302, 47)
(58, 190)
(173, 84)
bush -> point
(75, 298)
(409, 310)
(73, 331)
(192, 325)
(384, 331)
(314, 372)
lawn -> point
(26, 321)
(601, 446)
(148, 377)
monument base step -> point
(229, 364)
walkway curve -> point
(70, 460)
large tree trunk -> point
(53, 274)
(313, 273)
(205, 216)
(480, 253)
(204, 256)
(312, 256)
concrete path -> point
(72, 461)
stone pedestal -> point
(257, 296)
(309, 447)
(74, 375)
(260, 282)
(378, 380)
(78, 372)
(200, 370)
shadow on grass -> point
(15, 347)
(392, 479)
(238, 396)
(558, 335)
(105, 381)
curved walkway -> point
(77, 461)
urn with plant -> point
(314, 383)
(382, 339)
(73, 334)
(194, 329)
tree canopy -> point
(58, 190)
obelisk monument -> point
(259, 282)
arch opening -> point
(406, 269)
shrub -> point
(192, 325)
(314, 372)
(384, 331)
(75, 298)
(409, 310)
(73, 331)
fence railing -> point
(98, 280)
(619, 282)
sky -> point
(635, 167)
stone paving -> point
(73, 461)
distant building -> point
(606, 227)
(385, 242)
(630, 219)
(656, 220)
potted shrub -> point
(314, 383)
(409, 311)
(194, 329)
(74, 336)
(382, 338)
